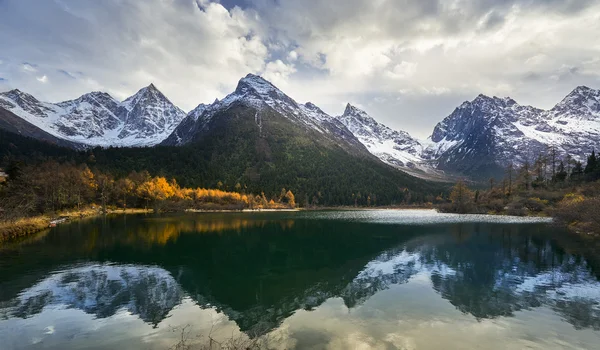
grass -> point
(11, 230)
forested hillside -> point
(317, 176)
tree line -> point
(560, 186)
(51, 186)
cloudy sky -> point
(409, 63)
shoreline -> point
(26, 227)
(11, 231)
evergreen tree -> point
(561, 174)
(592, 163)
(577, 172)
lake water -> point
(304, 280)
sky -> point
(408, 63)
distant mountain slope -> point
(12, 123)
(480, 138)
(396, 148)
(97, 119)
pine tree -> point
(592, 163)
(577, 172)
(561, 174)
(553, 161)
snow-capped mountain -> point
(396, 148)
(483, 136)
(479, 138)
(149, 115)
(255, 92)
(97, 119)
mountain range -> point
(98, 119)
(478, 139)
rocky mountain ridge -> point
(98, 119)
(479, 138)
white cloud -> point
(278, 72)
(411, 62)
(42, 79)
(403, 70)
(292, 56)
(29, 68)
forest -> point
(561, 187)
(325, 177)
(51, 187)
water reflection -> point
(102, 290)
(260, 271)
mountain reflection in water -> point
(260, 270)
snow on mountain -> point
(493, 132)
(97, 119)
(485, 133)
(479, 138)
(396, 148)
(149, 115)
(255, 92)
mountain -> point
(13, 124)
(260, 137)
(481, 137)
(258, 130)
(97, 119)
(260, 95)
(396, 148)
(257, 137)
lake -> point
(369, 279)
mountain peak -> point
(20, 96)
(152, 89)
(312, 106)
(14, 92)
(583, 89)
(350, 109)
(482, 99)
(251, 76)
(582, 102)
(257, 91)
(256, 83)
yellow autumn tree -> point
(462, 198)
(290, 199)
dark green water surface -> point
(304, 280)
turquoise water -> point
(305, 280)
